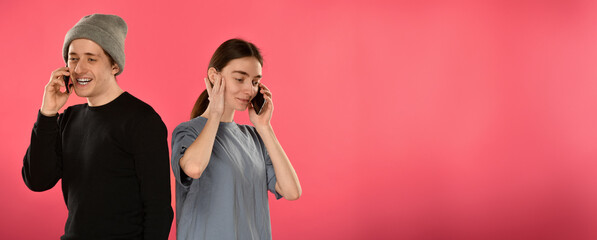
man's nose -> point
(80, 67)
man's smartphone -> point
(258, 101)
(66, 82)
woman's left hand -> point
(263, 118)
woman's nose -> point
(250, 89)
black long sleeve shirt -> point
(114, 165)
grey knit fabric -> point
(108, 31)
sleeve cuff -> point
(46, 122)
(273, 189)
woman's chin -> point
(241, 108)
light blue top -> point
(229, 200)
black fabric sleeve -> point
(151, 157)
(42, 164)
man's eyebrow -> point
(87, 53)
(244, 73)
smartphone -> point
(258, 101)
(66, 82)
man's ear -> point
(115, 69)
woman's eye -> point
(72, 59)
(255, 83)
(239, 79)
(91, 60)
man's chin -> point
(81, 94)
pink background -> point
(403, 119)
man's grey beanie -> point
(108, 31)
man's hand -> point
(54, 99)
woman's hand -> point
(216, 96)
(54, 99)
(264, 117)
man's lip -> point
(82, 83)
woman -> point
(223, 170)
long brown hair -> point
(226, 52)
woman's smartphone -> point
(66, 82)
(258, 101)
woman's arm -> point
(287, 182)
(196, 157)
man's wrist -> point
(48, 114)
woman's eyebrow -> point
(241, 72)
(245, 73)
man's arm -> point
(42, 164)
(153, 171)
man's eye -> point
(91, 60)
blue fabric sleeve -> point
(182, 137)
(269, 171)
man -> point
(111, 153)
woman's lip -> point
(243, 100)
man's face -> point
(90, 69)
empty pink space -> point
(403, 119)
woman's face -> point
(242, 76)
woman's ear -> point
(211, 75)
(115, 68)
